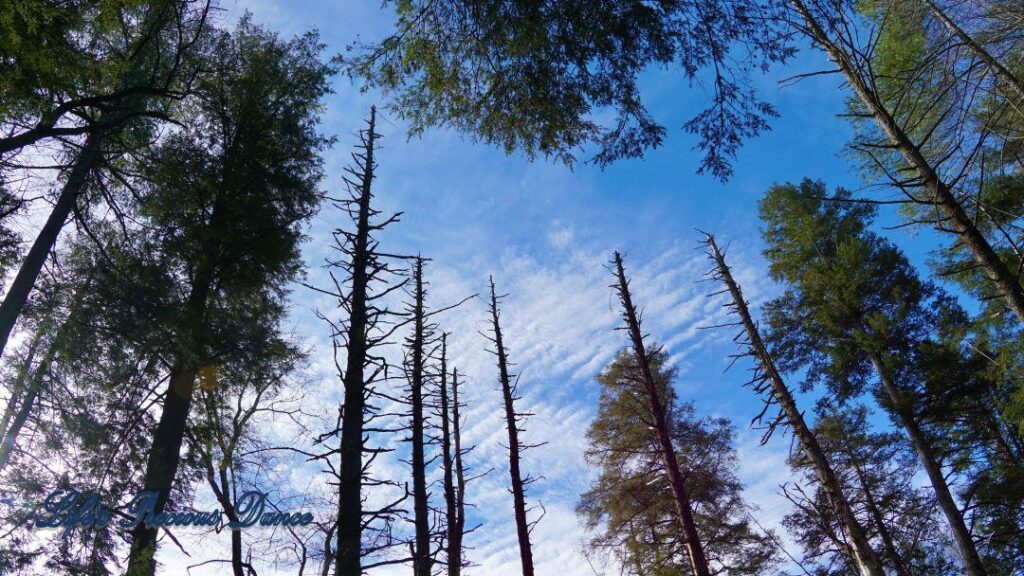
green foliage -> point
(630, 508)
(851, 297)
(539, 77)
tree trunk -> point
(455, 542)
(17, 400)
(858, 546)
(350, 501)
(24, 281)
(165, 453)
(994, 65)
(961, 535)
(237, 566)
(422, 560)
(34, 380)
(879, 520)
(960, 223)
(451, 511)
(662, 430)
(514, 449)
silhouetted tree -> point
(513, 420)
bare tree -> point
(455, 479)
(366, 325)
(768, 382)
(416, 355)
(514, 421)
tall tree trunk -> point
(165, 453)
(448, 464)
(858, 547)
(993, 64)
(514, 448)
(662, 428)
(455, 537)
(24, 281)
(879, 520)
(34, 380)
(959, 222)
(17, 400)
(350, 500)
(933, 468)
(422, 560)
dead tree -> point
(514, 421)
(768, 382)
(451, 499)
(366, 325)
(416, 354)
(454, 472)
(660, 423)
(457, 528)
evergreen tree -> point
(631, 505)
(136, 58)
(857, 317)
(535, 75)
(225, 198)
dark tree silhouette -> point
(513, 421)
(367, 276)
(152, 53)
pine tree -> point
(854, 308)
(657, 419)
(632, 504)
(249, 157)
(539, 71)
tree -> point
(631, 503)
(907, 128)
(367, 276)
(416, 353)
(657, 420)
(145, 47)
(534, 77)
(877, 469)
(513, 421)
(249, 157)
(768, 381)
(73, 67)
(854, 307)
(233, 399)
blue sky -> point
(545, 232)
